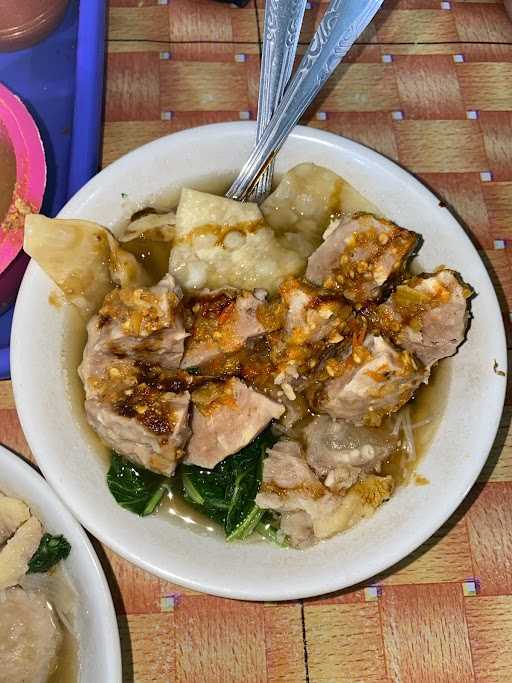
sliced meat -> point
(340, 453)
(226, 417)
(223, 321)
(30, 637)
(139, 410)
(315, 319)
(428, 315)
(13, 513)
(312, 314)
(15, 555)
(360, 256)
(148, 427)
(375, 379)
(309, 510)
(145, 324)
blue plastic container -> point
(60, 80)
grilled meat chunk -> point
(138, 410)
(145, 324)
(312, 315)
(226, 417)
(360, 256)
(314, 320)
(290, 486)
(427, 315)
(223, 322)
(373, 380)
(148, 427)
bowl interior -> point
(96, 626)
(181, 552)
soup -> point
(379, 449)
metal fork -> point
(342, 23)
(283, 21)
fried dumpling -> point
(83, 258)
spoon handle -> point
(342, 23)
(283, 21)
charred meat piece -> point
(141, 412)
(315, 318)
(223, 321)
(373, 380)
(226, 417)
(312, 314)
(428, 315)
(340, 453)
(360, 256)
(143, 323)
(151, 433)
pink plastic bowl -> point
(30, 184)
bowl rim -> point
(403, 549)
(14, 466)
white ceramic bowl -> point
(256, 571)
(96, 625)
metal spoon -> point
(281, 30)
(342, 23)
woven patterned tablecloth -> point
(430, 85)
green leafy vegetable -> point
(227, 493)
(193, 370)
(135, 488)
(51, 550)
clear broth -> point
(427, 409)
(67, 667)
